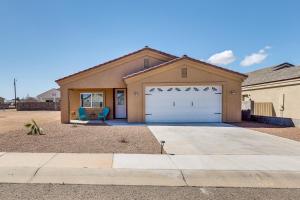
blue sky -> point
(41, 41)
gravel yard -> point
(74, 192)
(292, 133)
(65, 138)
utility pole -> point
(15, 89)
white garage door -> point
(183, 104)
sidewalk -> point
(148, 169)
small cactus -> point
(34, 129)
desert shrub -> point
(34, 129)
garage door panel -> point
(183, 104)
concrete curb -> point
(156, 170)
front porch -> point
(110, 122)
(93, 100)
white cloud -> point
(222, 58)
(255, 58)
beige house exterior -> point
(52, 95)
(278, 85)
(131, 74)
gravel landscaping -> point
(66, 138)
(292, 133)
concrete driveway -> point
(221, 139)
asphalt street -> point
(91, 192)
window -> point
(120, 97)
(91, 100)
(184, 72)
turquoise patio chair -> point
(103, 115)
(82, 114)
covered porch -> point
(93, 100)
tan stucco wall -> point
(197, 75)
(108, 76)
(275, 95)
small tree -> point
(34, 129)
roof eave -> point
(243, 76)
(59, 81)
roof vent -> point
(283, 65)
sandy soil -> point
(90, 192)
(286, 132)
(13, 120)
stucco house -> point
(279, 85)
(52, 95)
(149, 85)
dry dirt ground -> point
(13, 120)
(281, 131)
(67, 138)
(90, 192)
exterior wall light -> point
(233, 92)
(162, 143)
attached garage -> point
(190, 103)
(184, 90)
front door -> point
(120, 103)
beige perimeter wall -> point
(286, 96)
(197, 75)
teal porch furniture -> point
(82, 114)
(103, 115)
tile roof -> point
(284, 71)
(178, 59)
(119, 58)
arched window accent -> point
(152, 89)
(177, 89)
(206, 89)
(196, 89)
(170, 89)
(188, 89)
(214, 89)
(159, 89)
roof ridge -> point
(215, 66)
(181, 58)
(152, 68)
(119, 58)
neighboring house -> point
(2, 100)
(278, 85)
(29, 99)
(52, 95)
(152, 86)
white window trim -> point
(91, 93)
